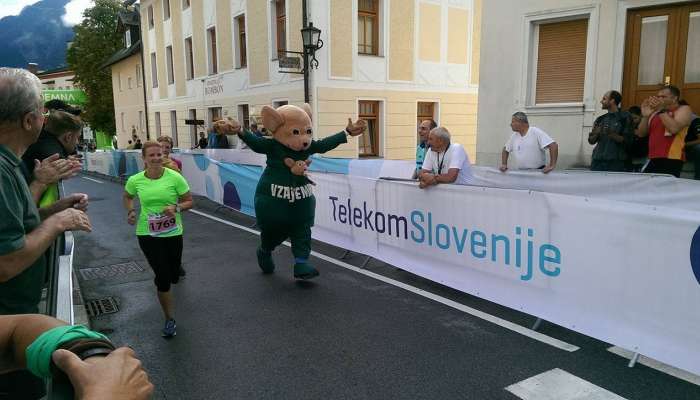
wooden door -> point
(662, 48)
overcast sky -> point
(73, 15)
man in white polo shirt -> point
(445, 162)
(528, 143)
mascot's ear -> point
(271, 118)
(307, 108)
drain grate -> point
(110, 271)
(95, 308)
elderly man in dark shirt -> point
(25, 231)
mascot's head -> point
(289, 125)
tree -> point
(96, 39)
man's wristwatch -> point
(178, 208)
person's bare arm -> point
(185, 202)
(128, 201)
(448, 177)
(594, 135)
(38, 240)
(648, 107)
(681, 119)
(504, 160)
(118, 376)
(17, 332)
(424, 178)
(616, 137)
(76, 200)
(553, 155)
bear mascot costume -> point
(284, 201)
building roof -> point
(129, 17)
(122, 54)
(60, 71)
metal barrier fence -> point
(59, 297)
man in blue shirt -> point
(424, 129)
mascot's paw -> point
(304, 271)
(265, 261)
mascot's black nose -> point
(306, 145)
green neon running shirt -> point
(154, 195)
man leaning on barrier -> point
(445, 162)
(25, 231)
(528, 144)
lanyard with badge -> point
(441, 162)
(160, 224)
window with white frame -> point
(560, 62)
(169, 65)
(138, 75)
(122, 121)
(211, 45)
(189, 59)
(154, 70)
(129, 82)
(119, 81)
(141, 122)
(127, 38)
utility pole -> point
(305, 23)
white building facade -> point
(554, 60)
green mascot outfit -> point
(284, 200)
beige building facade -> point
(129, 108)
(128, 90)
(391, 62)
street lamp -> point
(311, 40)
(311, 37)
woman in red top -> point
(665, 120)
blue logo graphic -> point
(695, 254)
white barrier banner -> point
(613, 256)
(619, 272)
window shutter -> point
(561, 62)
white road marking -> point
(657, 365)
(453, 304)
(557, 384)
(90, 179)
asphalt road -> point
(345, 335)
